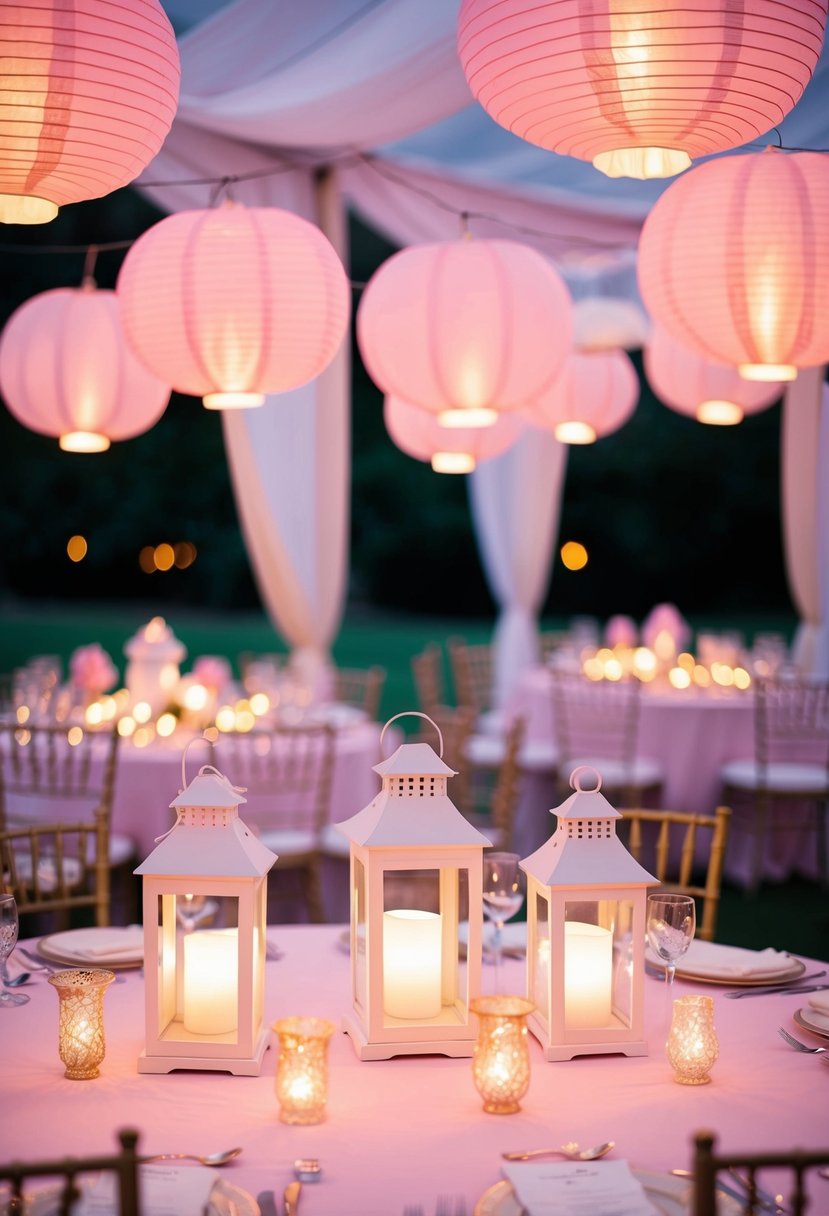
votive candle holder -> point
(501, 1057)
(81, 1042)
(302, 1068)
(692, 1046)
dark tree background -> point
(667, 509)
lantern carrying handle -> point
(576, 785)
(413, 713)
(198, 739)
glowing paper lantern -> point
(449, 449)
(702, 388)
(66, 370)
(465, 329)
(89, 93)
(638, 89)
(734, 262)
(231, 303)
(593, 396)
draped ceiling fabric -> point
(374, 88)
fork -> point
(797, 1045)
(446, 1207)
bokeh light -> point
(573, 555)
(76, 548)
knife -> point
(291, 1198)
(267, 1203)
(773, 984)
(778, 991)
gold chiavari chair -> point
(427, 673)
(361, 688)
(124, 1165)
(791, 1198)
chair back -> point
(551, 641)
(669, 848)
(56, 790)
(124, 1165)
(456, 724)
(286, 773)
(708, 1163)
(472, 674)
(427, 673)
(791, 722)
(595, 718)
(362, 689)
(495, 792)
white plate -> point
(225, 1200)
(810, 1019)
(669, 1195)
(782, 975)
(75, 947)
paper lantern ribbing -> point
(639, 89)
(711, 392)
(67, 370)
(448, 449)
(234, 302)
(89, 94)
(593, 396)
(734, 262)
(465, 329)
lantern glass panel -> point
(198, 967)
(598, 972)
(541, 968)
(423, 971)
(358, 952)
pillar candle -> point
(588, 974)
(411, 964)
(210, 981)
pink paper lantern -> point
(703, 389)
(638, 89)
(66, 370)
(465, 329)
(89, 93)
(232, 303)
(593, 396)
(734, 262)
(449, 449)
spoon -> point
(215, 1159)
(570, 1151)
(17, 980)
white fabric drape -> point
(805, 506)
(516, 501)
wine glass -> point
(671, 923)
(503, 895)
(8, 940)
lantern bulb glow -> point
(642, 163)
(475, 416)
(26, 209)
(233, 401)
(453, 462)
(767, 372)
(575, 432)
(720, 413)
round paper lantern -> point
(465, 329)
(593, 396)
(703, 389)
(604, 323)
(232, 303)
(449, 449)
(66, 370)
(639, 89)
(89, 93)
(734, 262)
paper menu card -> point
(166, 1190)
(578, 1188)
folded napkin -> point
(166, 1190)
(820, 1002)
(124, 945)
(578, 1188)
(730, 962)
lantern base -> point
(568, 1051)
(244, 1066)
(366, 1050)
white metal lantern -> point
(205, 898)
(586, 904)
(416, 877)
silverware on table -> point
(764, 1200)
(782, 984)
(290, 1198)
(797, 1045)
(267, 1203)
(790, 991)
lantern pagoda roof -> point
(584, 850)
(208, 789)
(409, 811)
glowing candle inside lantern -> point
(588, 974)
(210, 981)
(411, 964)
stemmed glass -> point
(670, 926)
(503, 895)
(8, 940)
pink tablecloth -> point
(407, 1130)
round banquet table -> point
(693, 734)
(404, 1131)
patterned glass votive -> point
(302, 1068)
(501, 1058)
(81, 1031)
(692, 1046)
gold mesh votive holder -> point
(302, 1068)
(692, 1046)
(501, 1057)
(81, 1041)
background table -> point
(404, 1131)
